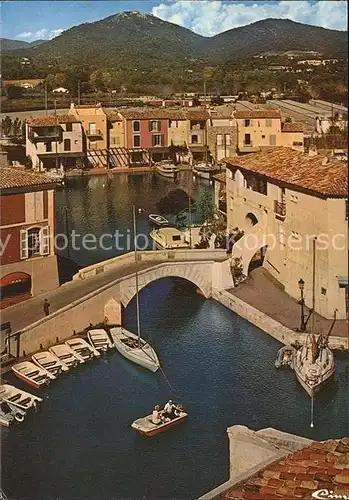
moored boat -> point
(146, 427)
(32, 374)
(66, 355)
(169, 238)
(135, 348)
(99, 339)
(49, 362)
(22, 399)
(7, 408)
(204, 170)
(158, 220)
(83, 348)
(167, 169)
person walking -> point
(46, 307)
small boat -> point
(167, 169)
(169, 238)
(158, 220)
(21, 399)
(146, 427)
(100, 340)
(66, 355)
(83, 348)
(204, 170)
(285, 357)
(32, 374)
(135, 348)
(49, 362)
(10, 409)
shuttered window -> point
(45, 241)
(23, 244)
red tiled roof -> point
(15, 178)
(293, 127)
(258, 113)
(113, 116)
(151, 113)
(322, 465)
(297, 169)
(49, 120)
(197, 114)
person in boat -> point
(155, 418)
(169, 408)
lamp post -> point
(301, 287)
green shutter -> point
(149, 125)
(159, 125)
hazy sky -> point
(31, 20)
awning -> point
(198, 149)
(159, 150)
(12, 278)
(60, 155)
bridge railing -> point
(126, 259)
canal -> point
(221, 368)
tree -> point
(28, 162)
(205, 206)
(6, 126)
(237, 270)
(17, 126)
(14, 92)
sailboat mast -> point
(313, 304)
(136, 274)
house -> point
(198, 122)
(222, 135)
(28, 260)
(55, 142)
(282, 199)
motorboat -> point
(99, 339)
(169, 238)
(146, 427)
(314, 364)
(49, 362)
(167, 169)
(32, 374)
(66, 354)
(7, 409)
(83, 348)
(158, 220)
(204, 170)
(135, 348)
(17, 397)
(285, 357)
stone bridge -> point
(99, 292)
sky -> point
(33, 20)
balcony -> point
(52, 134)
(94, 134)
(280, 209)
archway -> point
(250, 220)
(257, 259)
(14, 287)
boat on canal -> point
(99, 339)
(158, 220)
(135, 348)
(204, 170)
(167, 169)
(32, 374)
(83, 349)
(66, 355)
(49, 362)
(167, 238)
(285, 357)
(147, 427)
(7, 408)
(22, 399)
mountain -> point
(8, 45)
(134, 40)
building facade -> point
(28, 260)
(291, 207)
(94, 123)
(222, 134)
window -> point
(263, 136)
(92, 128)
(268, 122)
(194, 139)
(136, 141)
(157, 140)
(219, 139)
(34, 241)
(227, 139)
(247, 140)
(176, 237)
(272, 140)
(67, 146)
(69, 127)
(247, 123)
(48, 147)
(115, 141)
(154, 126)
(136, 126)
(174, 124)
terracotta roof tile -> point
(49, 120)
(293, 127)
(298, 170)
(151, 113)
(258, 113)
(197, 114)
(301, 484)
(15, 178)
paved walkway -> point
(261, 291)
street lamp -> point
(301, 287)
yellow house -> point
(178, 128)
(293, 209)
(94, 124)
(116, 129)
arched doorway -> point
(250, 220)
(257, 259)
(14, 288)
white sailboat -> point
(132, 346)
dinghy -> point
(21, 399)
(158, 220)
(135, 348)
(66, 355)
(99, 339)
(146, 427)
(49, 362)
(32, 374)
(83, 348)
(10, 409)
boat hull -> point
(144, 356)
(139, 361)
(203, 175)
(27, 380)
(158, 429)
(312, 390)
(169, 175)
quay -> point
(99, 292)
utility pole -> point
(56, 135)
(79, 93)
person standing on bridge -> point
(46, 307)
